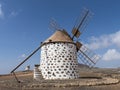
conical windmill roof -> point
(59, 36)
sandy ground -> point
(96, 79)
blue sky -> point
(25, 23)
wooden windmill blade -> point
(86, 56)
(81, 23)
(54, 25)
(27, 58)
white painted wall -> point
(59, 61)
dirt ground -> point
(86, 82)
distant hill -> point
(83, 66)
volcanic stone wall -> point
(59, 61)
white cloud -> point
(10, 13)
(13, 13)
(1, 12)
(104, 41)
(111, 54)
(116, 38)
(23, 56)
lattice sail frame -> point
(54, 25)
(81, 23)
(87, 57)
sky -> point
(24, 24)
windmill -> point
(60, 54)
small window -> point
(54, 74)
(59, 75)
(59, 55)
(65, 69)
(64, 61)
(64, 75)
(72, 71)
(57, 66)
(62, 66)
(66, 66)
(68, 71)
(59, 69)
(55, 50)
(57, 72)
(53, 66)
(49, 72)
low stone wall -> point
(75, 83)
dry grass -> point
(8, 82)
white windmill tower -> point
(59, 57)
(60, 54)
